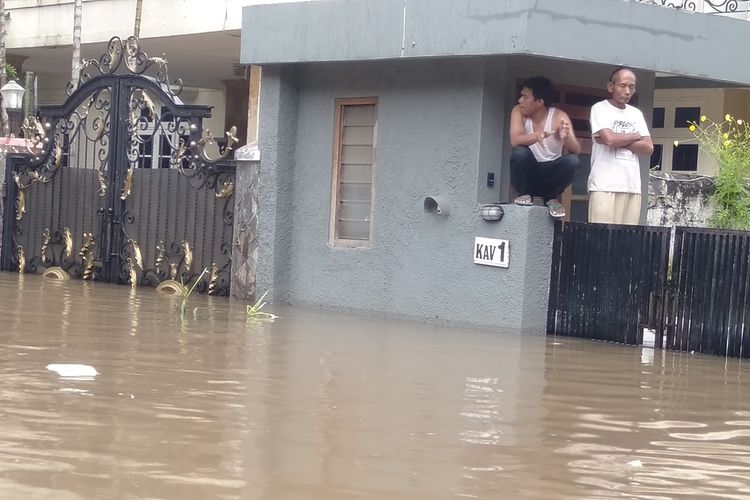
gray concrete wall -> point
(682, 200)
(429, 142)
(277, 138)
(495, 112)
(610, 32)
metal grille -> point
(605, 279)
(711, 301)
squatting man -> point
(544, 158)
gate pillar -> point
(245, 244)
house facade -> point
(383, 141)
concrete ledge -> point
(661, 39)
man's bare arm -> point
(642, 147)
(565, 133)
(608, 138)
(518, 135)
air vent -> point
(239, 70)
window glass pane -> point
(356, 173)
(656, 157)
(580, 125)
(356, 154)
(358, 136)
(684, 115)
(658, 118)
(685, 157)
(354, 211)
(354, 192)
(353, 230)
(359, 115)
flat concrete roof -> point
(613, 32)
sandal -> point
(524, 200)
(556, 209)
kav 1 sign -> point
(491, 252)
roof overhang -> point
(612, 32)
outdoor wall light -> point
(12, 95)
(492, 212)
(437, 205)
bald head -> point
(621, 87)
(621, 72)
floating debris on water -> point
(74, 371)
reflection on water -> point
(324, 406)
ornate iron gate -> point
(122, 184)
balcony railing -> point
(733, 8)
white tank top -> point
(550, 148)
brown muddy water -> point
(326, 406)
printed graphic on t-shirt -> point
(623, 127)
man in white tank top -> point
(545, 152)
(619, 134)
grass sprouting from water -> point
(187, 292)
(254, 310)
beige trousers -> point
(614, 208)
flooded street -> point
(326, 406)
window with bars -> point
(353, 163)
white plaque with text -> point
(491, 252)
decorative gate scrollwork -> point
(122, 183)
(705, 6)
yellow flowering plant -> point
(728, 142)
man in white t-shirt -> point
(619, 134)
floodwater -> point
(325, 406)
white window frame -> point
(669, 133)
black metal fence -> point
(604, 280)
(610, 282)
(709, 310)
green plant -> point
(10, 72)
(187, 292)
(728, 142)
(254, 311)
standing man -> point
(619, 134)
(544, 158)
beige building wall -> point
(714, 103)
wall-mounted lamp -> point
(492, 212)
(12, 95)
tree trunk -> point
(76, 62)
(3, 76)
(137, 26)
